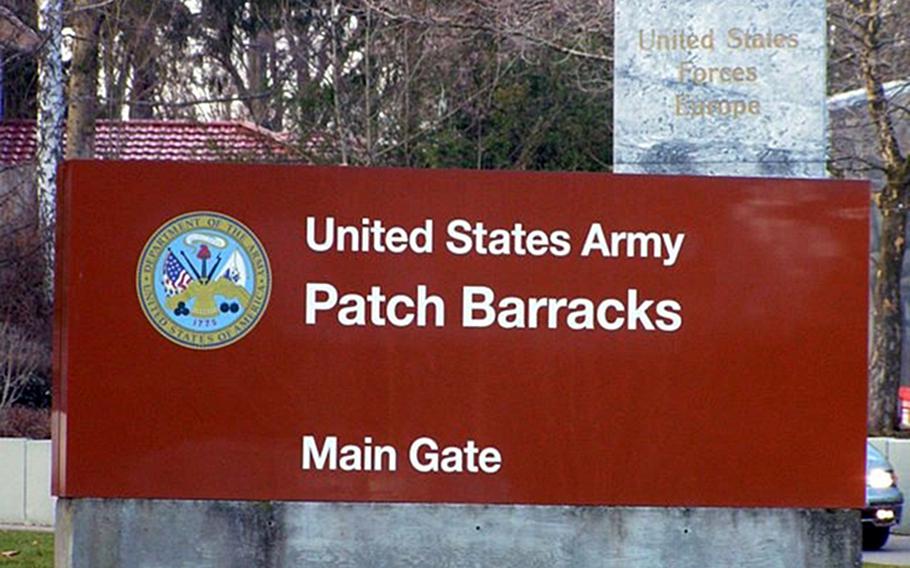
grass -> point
(32, 549)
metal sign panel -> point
(231, 331)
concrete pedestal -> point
(93, 533)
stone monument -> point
(720, 88)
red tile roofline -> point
(162, 139)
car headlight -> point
(879, 478)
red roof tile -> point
(159, 140)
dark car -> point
(884, 501)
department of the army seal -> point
(203, 280)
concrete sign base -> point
(142, 533)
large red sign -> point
(342, 334)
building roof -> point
(854, 150)
(159, 140)
(856, 97)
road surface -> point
(895, 553)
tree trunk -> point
(50, 128)
(2, 82)
(145, 80)
(145, 73)
(277, 104)
(83, 83)
(368, 86)
(336, 85)
(887, 325)
(256, 77)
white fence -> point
(25, 482)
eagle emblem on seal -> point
(203, 280)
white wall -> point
(25, 482)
